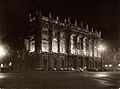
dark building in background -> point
(52, 44)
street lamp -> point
(101, 49)
(2, 51)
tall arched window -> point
(84, 46)
(62, 42)
(26, 42)
(55, 41)
(72, 44)
(32, 44)
(78, 45)
(54, 45)
(45, 42)
(95, 48)
(90, 48)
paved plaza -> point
(61, 80)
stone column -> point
(38, 28)
(89, 54)
(76, 56)
(97, 61)
(81, 50)
(82, 43)
(95, 53)
(68, 48)
(77, 48)
(92, 62)
(84, 50)
(50, 61)
(58, 59)
(58, 42)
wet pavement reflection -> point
(60, 80)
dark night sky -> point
(103, 15)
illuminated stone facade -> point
(55, 44)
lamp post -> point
(101, 49)
(2, 54)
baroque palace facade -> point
(51, 43)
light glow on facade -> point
(78, 47)
(100, 50)
(84, 51)
(84, 46)
(26, 42)
(45, 42)
(45, 46)
(72, 44)
(90, 48)
(32, 46)
(62, 46)
(62, 42)
(95, 51)
(55, 41)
